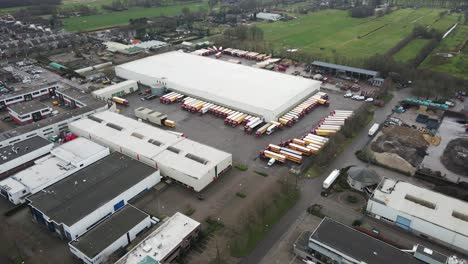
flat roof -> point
(248, 89)
(114, 87)
(344, 68)
(51, 167)
(78, 195)
(162, 241)
(358, 245)
(27, 107)
(398, 195)
(107, 232)
(22, 148)
(136, 136)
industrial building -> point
(333, 242)
(119, 90)
(165, 243)
(29, 112)
(424, 212)
(79, 202)
(60, 163)
(112, 234)
(20, 155)
(342, 70)
(183, 160)
(268, 16)
(79, 105)
(250, 90)
(362, 179)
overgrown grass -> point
(410, 51)
(246, 240)
(189, 210)
(334, 32)
(261, 173)
(241, 166)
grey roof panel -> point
(22, 148)
(81, 193)
(358, 245)
(344, 68)
(99, 238)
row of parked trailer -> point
(294, 149)
(332, 123)
(250, 55)
(170, 98)
(304, 108)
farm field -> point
(331, 32)
(410, 51)
(88, 23)
(456, 66)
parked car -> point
(370, 100)
(348, 95)
(150, 97)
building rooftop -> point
(27, 107)
(76, 196)
(107, 232)
(254, 91)
(357, 245)
(188, 156)
(363, 175)
(62, 159)
(344, 68)
(431, 206)
(21, 148)
(162, 241)
(114, 87)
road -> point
(310, 189)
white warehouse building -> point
(183, 160)
(424, 212)
(81, 201)
(254, 91)
(62, 161)
(118, 89)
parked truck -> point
(120, 101)
(374, 128)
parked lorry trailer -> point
(374, 128)
(272, 155)
(120, 101)
(330, 179)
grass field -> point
(456, 66)
(95, 22)
(334, 31)
(410, 51)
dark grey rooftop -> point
(81, 193)
(344, 68)
(99, 238)
(27, 107)
(22, 148)
(364, 175)
(358, 245)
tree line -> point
(20, 3)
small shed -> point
(359, 178)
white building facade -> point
(118, 90)
(421, 211)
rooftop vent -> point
(114, 126)
(461, 216)
(175, 150)
(95, 119)
(420, 201)
(197, 159)
(140, 136)
(155, 142)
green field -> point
(410, 51)
(334, 31)
(456, 66)
(95, 22)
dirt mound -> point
(406, 142)
(455, 157)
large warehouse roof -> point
(75, 197)
(431, 206)
(248, 89)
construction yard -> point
(333, 32)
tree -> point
(212, 3)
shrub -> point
(351, 199)
(357, 222)
(241, 166)
(241, 195)
(264, 174)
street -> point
(310, 189)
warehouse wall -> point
(82, 226)
(420, 226)
(119, 243)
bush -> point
(241, 195)
(189, 211)
(351, 199)
(264, 174)
(357, 222)
(241, 166)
